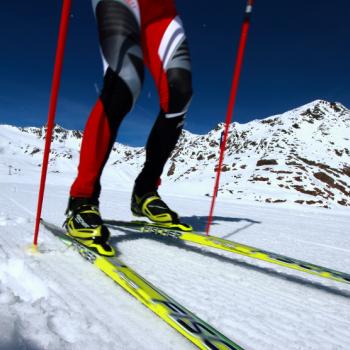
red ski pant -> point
(133, 34)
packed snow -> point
(53, 299)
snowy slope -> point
(55, 300)
(278, 175)
(300, 157)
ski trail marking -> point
(322, 245)
(19, 205)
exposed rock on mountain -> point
(301, 156)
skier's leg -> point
(167, 56)
(120, 42)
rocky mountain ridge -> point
(301, 156)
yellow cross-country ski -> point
(184, 321)
(234, 247)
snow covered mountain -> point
(301, 156)
(52, 299)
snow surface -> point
(301, 156)
(55, 300)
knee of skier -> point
(119, 93)
(124, 70)
(120, 44)
(180, 91)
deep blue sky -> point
(297, 51)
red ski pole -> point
(52, 109)
(231, 104)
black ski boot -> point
(84, 223)
(151, 205)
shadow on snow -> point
(132, 235)
(199, 223)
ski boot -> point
(150, 205)
(84, 224)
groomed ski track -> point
(56, 300)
